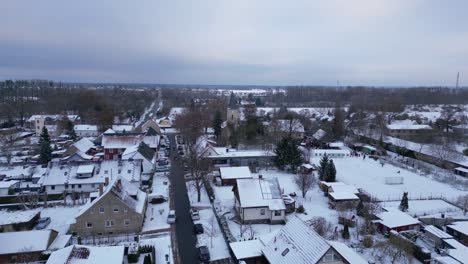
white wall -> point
(61, 188)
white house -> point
(141, 152)
(259, 200)
(87, 176)
(331, 153)
(7, 186)
(86, 130)
(298, 243)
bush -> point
(368, 241)
(133, 258)
(300, 209)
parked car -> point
(156, 198)
(198, 229)
(194, 214)
(203, 253)
(171, 217)
(42, 223)
(162, 168)
(180, 147)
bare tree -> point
(320, 225)
(28, 200)
(305, 182)
(212, 229)
(394, 250)
(248, 231)
(462, 202)
(199, 168)
(444, 151)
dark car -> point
(203, 253)
(198, 229)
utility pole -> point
(458, 78)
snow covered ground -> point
(156, 214)
(212, 236)
(369, 175)
(162, 245)
(426, 207)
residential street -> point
(186, 239)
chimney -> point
(106, 181)
(100, 190)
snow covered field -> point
(369, 175)
(426, 207)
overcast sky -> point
(300, 42)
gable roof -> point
(141, 148)
(151, 132)
(347, 253)
(25, 241)
(83, 145)
(79, 254)
(393, 218)
(296, 243)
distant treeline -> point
(20, 99)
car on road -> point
(194, 214)
(42, 223)
(203, 253)
(198, 229)
(171, 217)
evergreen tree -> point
(287, 153)
(361, 210)
(72, 134)
(331, 172)
(323, 168)
(345, 233)
(404, 202)
(232, 101)
(258, 102)
(217, 122)
(45, 154)
(147, 259)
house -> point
(319, 135)
(298, 243)
(461, 171)
(283, 127)
(408, 130)
(12, 221)
(165, 123)
(151, 123)
(25, 246)
(347, 199)
(222, 156)
(86, 176)
(115, 144)
(141, 152)
(436, 235)
(459, 230)
(122, 128)
(88, 255)
(394, 219)
(307, 168)
(83, 149)
(8, 187)
(84, 130)
(37, 122)
(229, 175)
(119, 209)
(259, 201)
(331, 153)
(455, 250)
(249, 251)
(325, 186)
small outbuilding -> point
(229, 175)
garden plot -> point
(370, 175)
(162, 246)
(426, 207)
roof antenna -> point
(458, 78)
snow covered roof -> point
(124, 141)
(83, 145)
(242, 172)
(319, 134)
(60, 242)
(78, 254)
(446, 260)
(122, 128)
(343, 196)
(25, 241)
(461, 227)
(128, 193)
(63, 172)
(109, 131)
(13, 217)
(436, 232)
(247, 249)
(340, 188)
(53, 117)
(142, 148)
(457, 250)
(331, 151)
(461, 169)
(85, 169)
(407, 127)
(307, 166)
(393, 218)
(234, 153)
(260, 193)
(7, 184)
(347, 253)
(336, 144)
(330, 184)
(85, 127)
(295, 243)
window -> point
(110, 223)
(99, 234)
(101, 210)
(129, 171)
(331, 256)
(52, 187)
(277, 213)
(120, 171)
(116, 209)
(89, 224)
(66, 186)
(92, 185)
(262, 211)
(73, 186)
(127, 222)
(79, 185)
